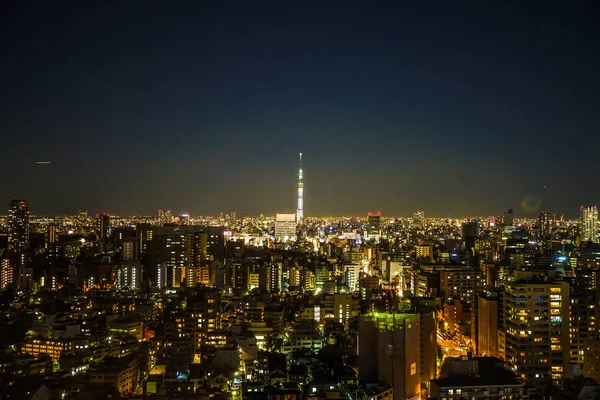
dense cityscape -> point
(310, 200)
(296, 307)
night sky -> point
(457, 108)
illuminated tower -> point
(300, 210)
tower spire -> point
(300, 209)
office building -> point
(588, 224)
(544, 226)
(373, 226)
(419, 219)
(18, 226)
(536, 322)
(285, 226)
(103, 231)
(470, 231)
(168, 246)
(129, 250)
(129, 276)
(388, 353)
(352, 275)
(463, 284)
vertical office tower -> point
(388, 352)
(588, 224)
(374, 225)
(167, 250)
(102, 229)
(536, 323)
(18, 226)
(300, 210)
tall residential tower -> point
(18, 226)
(300, 210)
(588, 224)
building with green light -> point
(389, 352)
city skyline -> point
(455, 110)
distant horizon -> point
(272, 215)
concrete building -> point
(476, 378)
(588, 224)
(488, 318)
(388, 353)
(285, 226)
(465, 284)
(536, 322)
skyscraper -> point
(102, 230)
(374, 225)
(18, 226)
(300, 210)
(588, 224)
(536, 320)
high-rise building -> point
(582, 312)
(274, 277)
(102, 230)
(588, 220)
(6, 273)
(488, 318)
(129, 250)
(168, 246)
(470, 231)
(536, 323)
(388, 353)
(419, 219)
(164, 217)
(25, 272)
(285, 226)
(352, 273)
(129, 276)
(300, 210)
(196, 255)
(463, 284)
(509, 217)
(544, 225)
(202, 315)
(18, 226)
(374, 225)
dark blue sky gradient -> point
(456, 108)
